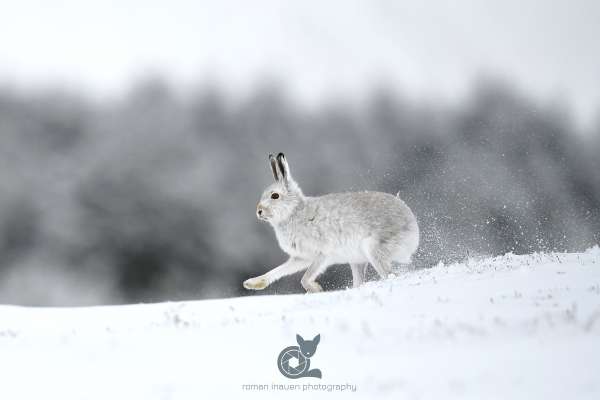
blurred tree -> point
(157, 245)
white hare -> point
(355, 228)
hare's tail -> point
(314, 373)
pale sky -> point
(426, 49)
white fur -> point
(356, 228)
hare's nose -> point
(259, 210)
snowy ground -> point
(508, 327)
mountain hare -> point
(358, 228)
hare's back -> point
(372, 210)
(357, 220)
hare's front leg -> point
(289, 267)
(308, 281)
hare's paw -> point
(312, 287)
(258, 283)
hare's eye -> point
(275, 196)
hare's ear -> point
(273, 162)
(299, 340)
(284, 169)
(317, 339)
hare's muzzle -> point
(260, 212)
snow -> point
(506, 327)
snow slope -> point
(507, 327)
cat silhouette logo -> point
(294, 361)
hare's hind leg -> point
(358, 273)
(379, 256)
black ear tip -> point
(280, 155)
